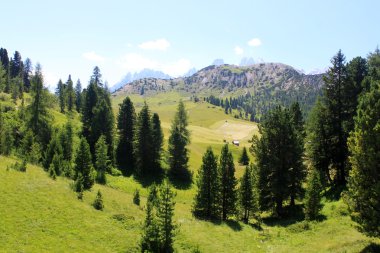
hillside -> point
(39, 214)
(259, 86)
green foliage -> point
(159, 227)
(126, 121)
(364, 180)
(38, 118)
(312, 199)
(278, 159)
(55, 168)
(60, 92)
(6, 139)
(244, 159)
(53, 148)
(20, 166)
(246, 194)
(207, 201)
(157, 138)
(228, 183)
(178, 141)
(78, 96)
(144, 144)
(70, 95)
(83, 165)
(102, 162)
(98, 202)
(136, 197)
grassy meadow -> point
(38, 214)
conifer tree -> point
(16, 66)
(54, 148)
(165, 215)
(78, 96)
(157, 138)
(178, 140)
(102, 161)
(66, 136)
(364, 178)
(207, 201)
(244, 159)
(150, 239)
(27, 73)
(247, 200)
(3, 78)
(61, 95)
(228, 183)
(126, 121)
(70, 94)
(144, 143)
(98, 202)
(136, 197)
(313, 196)
(83, 165)
(38, 118)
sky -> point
(72, 36)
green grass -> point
(39, 214)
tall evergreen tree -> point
(228, 183)
(276, 154)
(126, 121)
(364, 178)
(78, 96)
(83, 165)
(38, 118)
(207, 201)
(102, 161)
(150, 239)
(244, 159)
(28, 69)
(60, 92)
(66, 137)
(3, 77)
(178, 140)
(70, 94)
(16, 66)
(54, 148)
(313, 196)
(157, 138)
(144, 143)
(247, 199)
(165, 215)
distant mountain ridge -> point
(145, 73)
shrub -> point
(98, 202)
(136, 197)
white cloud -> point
(92, 56)
(177, 68)
(135, 62)
(254, 42)
(238, 50)
(160, 44)
(50, 80)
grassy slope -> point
(42, 215)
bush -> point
(136, 197)
(98, 202)
(19, 166)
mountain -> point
(218, 62)
(258, 87)
(245, 61)
(191, 72)
(145, 73)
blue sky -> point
(71, 37)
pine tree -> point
(277, 155)
(247, 200)
(70, 94)
(3, 77)
(228, 183)
(136, 197)
(102, 161)
(364, 178)
(78, 96)
(150, 240)
(83, 165)
(27, 73)
(157, 138)
(66, 136)
(98, 202)
(207, 201)
(165, 213)
(126, 121)
(38, 118)
(244, 159)
(54, 148)
(313, 196)
(16, 66)
(297, 172)
(143, 150)
(61, 95)
(55, 167)
(178, 140)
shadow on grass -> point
(333, 193)
(182, 182)
(148, 180)
(290, 216)
(372, 248)
(234, 225)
